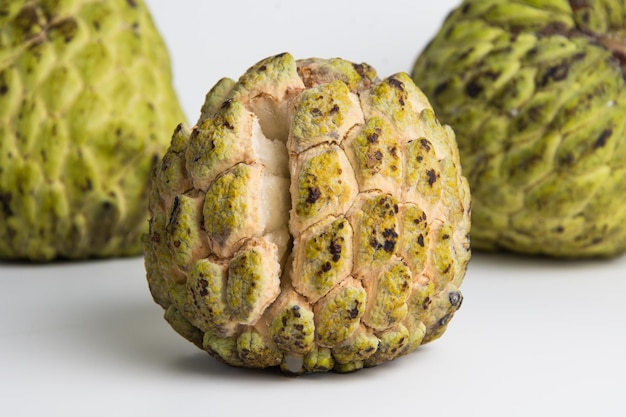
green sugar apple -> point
(85, 96)
(536, 93)
(315, 218)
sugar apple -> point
(85, 95)
(536, 93)
(315, 218)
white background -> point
(535, 337)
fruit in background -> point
(85, 96)
(535, 92)
(315, 218)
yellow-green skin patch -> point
(322, 188)
(247, 279)
(414, 240)
(293, 329)
(338, 315)
(392, 342)
(327, 259)
(388, 294)
(536, 93)
(320, 115)
(206, 289)
(184, 236)
(378, 156)
(86, 101)
(361, 345)
(219, 143)
(229, 214)
(376, 237)
(257, 351)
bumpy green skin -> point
(536, 94)
(85, 99)
(376, 256)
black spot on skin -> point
(440, 88)
(397, 84)
(559, 229)
(579, 4)
(326, 267)
(335, 249)
(5, 204)
(263, 67)
(390, 233)
(465, 8)
(334, 110)
(389, 246)
(3, 89)
(373, 137)
(314, 195)
(554, 73)
(203, 287)
(374, 243)
(298, 327)
(354, 312)
(432, 176)
(378, 155)
(425, 144)
(602, 139)
(228, 126)
(420, 240)
(444, 320)
(473, 89)
(131, 3)
(316, 112)
(226, 104)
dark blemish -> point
(118, 132)
(390, 233)
(373, 138)
(3, 89)
(334, 110)
(426, 303)
(203, 287)
(131, 3)
(335, 250)
(559, 229)
(455, 298)
(374, 243)
(156, 238)
(341, 225)
(425, 144)
(298, 327)
(5, 204)
(596, 241)
(396, 84)
(314, 195)
(432, 176)
(316, 112)
(444, 320)
(326, 267)
(420, 240)
(602, 139)
(445, 271)
(378, 155)
(395, 208)
(554, 73)
(228, 126)
(440, 88)
(263, 67)
(473, 89)
(393, 151)
(465, 8)
(419, 158)
(445, 237)
(389, 246)
(226, 104)
(66, 28)
(284, 321)
(354, 312)
(177, 244)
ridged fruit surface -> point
(314, 219)
(535, 92)
(85, 98)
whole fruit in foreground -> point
(85, 97)
(535, 91)
(315, 218)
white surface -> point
(534, 337)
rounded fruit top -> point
(314, 218)
(535, 91)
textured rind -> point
(86, 97)
(379, 220)
(537, 95)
